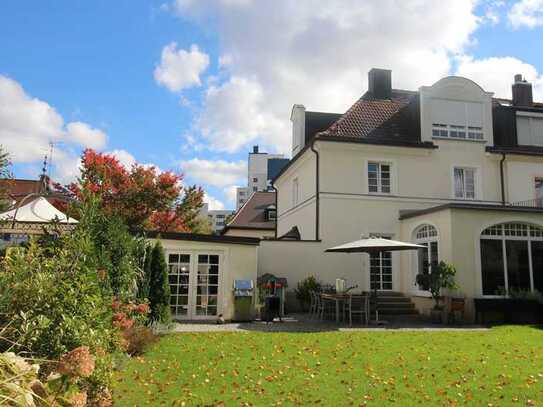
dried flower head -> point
(77, 363)
(78, 400)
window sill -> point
(460, 139)
(381, 194)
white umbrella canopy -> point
(373, 245)
(38, 210)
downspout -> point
(502, 180)
(317, 191)
(276, 211)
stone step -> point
(398, 300)
(395, 312)
(388, 305)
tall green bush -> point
(145, 280)
(159, 288)
(53, 304)
(116, 251)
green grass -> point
(500, 367)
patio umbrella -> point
(374, 245)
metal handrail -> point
(530, 203)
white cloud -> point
(526, 13)
(496, 74)
(213, 203)
(85, 135)
(124, 157)
(230, 194)
(180, 69)
(28, 125)
(218, 173)
(234, 117)
(275, 54)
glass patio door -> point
(194, 284)
(381, 271)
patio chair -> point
(357, 305)
(324, 307)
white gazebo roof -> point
(38, 210)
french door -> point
(194, 279)
(381, 271)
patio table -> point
(338, 299)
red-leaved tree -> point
(142, 196)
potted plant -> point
(440, 277)
(303, 290)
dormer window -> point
(271, 213)
(440, 130)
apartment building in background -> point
(261, 169)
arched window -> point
(512, 258)
(426, 235)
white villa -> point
(447, 166)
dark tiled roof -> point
(195, 237)
(253, 213)
(315, 122)
(394, 119)
(19, 188)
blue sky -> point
(192, 85)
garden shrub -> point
(304, 288)
(159, 288)
(54, 300)
(138, 338)
(116, 251)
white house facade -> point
(449, 167)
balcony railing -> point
(530, 203)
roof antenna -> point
(44, 168)
(51, 147)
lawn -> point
(499, 367)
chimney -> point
(255, 149)
(297, 117)
(380, 83)
(522, 92)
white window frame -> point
(456, 132)
(476, 182)
(499, 232)
(391, 185)
(430, 235)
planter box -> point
(509, 310)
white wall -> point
(416, 173)
(520, 174)
(256, 233)
(303, 214)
